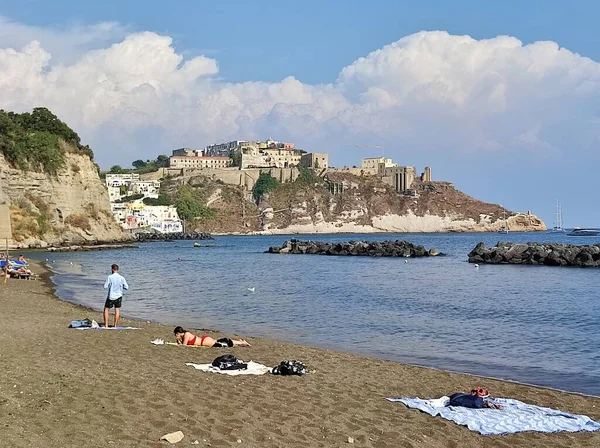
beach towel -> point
(254, 368)
(515, 416)
(162, 342)
(109, 328)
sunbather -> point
(20, 272)
(187, 338)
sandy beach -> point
(61, 387)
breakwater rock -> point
(537, 254)
(91, 247)
(354, 248)
(173, 236)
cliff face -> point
(70, 207)
(355, 204)
(365, 204)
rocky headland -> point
(354, 248)
(333, 201)
(537, 254)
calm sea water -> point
(532, 324)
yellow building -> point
(315, 160)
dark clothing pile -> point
(289, 368)
(229, 362)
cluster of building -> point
(401, 178)
(247, 155)
(134, 214)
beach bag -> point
(289, 368)
(229, 362)
(466, 401)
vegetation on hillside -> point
(31, 141)
(263, 185)
(139, 166)
(190, 206)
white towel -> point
(254, 368)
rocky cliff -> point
(70, 206)
(342, 202)
(349, 203)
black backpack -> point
(289, 368)
(229, 362)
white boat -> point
(558, 223)
(578, 231)
(504, 228)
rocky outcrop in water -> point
(90, 248)
(537, 254)
(354, 248)
(173, 236)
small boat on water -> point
(578, 231)
(558, 222)
(504, 228)
(197, 245)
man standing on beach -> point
(116, 284)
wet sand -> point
(61, 387)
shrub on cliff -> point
(190, 206)
(31, 141)
(263, 185)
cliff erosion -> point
(70, 206)
(341, 202)
(349, 203)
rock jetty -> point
(354, 248)
(173, 236)
(91, 247)
(537, 254)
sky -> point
(500, 98)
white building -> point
(199, 162)
(149, 189)
(117, 180)
(223, 149)
(114, 193)
(372, 163)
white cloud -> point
(429, 91)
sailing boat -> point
(558, 227)
(504, 228)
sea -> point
(531, 324)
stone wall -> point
(231, 176)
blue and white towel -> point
(515, 416)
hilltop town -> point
(57, 194)
(133, 196)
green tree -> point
(31, 140)
(263, 185)
(306, 176)
(162, 160)
(162, 199)
(236, 157)
(116, 169)
(138, 163)
(190, 207)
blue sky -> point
(508, 122)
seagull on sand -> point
(406, 261)
(251, 289)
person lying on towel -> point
(187, 338)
